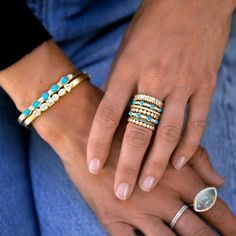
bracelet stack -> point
(49, 98)
(145, 111)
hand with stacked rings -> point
(164, 58)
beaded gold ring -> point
(147, 105)
(145, 117)
(145, 110)
(149, 99)
(142, 123)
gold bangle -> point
(37, 103)
(54, 98)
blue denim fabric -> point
(36, 195)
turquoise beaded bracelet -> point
(46, 96)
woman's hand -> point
(172, 51)
(66, 125)
(150, 213)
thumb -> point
(201, 164)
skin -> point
(172, 50)
(146, 212)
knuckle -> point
(129, 170)
(158, 164)
(203, 231)
(138, 136)
(108, 113)
(152, 74)
(170, 133)
(198, 125)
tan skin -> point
(172, 50)
(147, 212)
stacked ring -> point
(145, 111)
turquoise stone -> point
(130, 113)
(152, 106)
(36, 104)
(141, 103)
(64, 80)
(161, 110)
(26, 112)
(138, 115)
(45, 96)
(133, 102)
(54, 88)
(149, 118)
(157, 122)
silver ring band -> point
(178, 215)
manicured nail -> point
(94, 166)
(180, 162)
(148, 183)
(122, 191)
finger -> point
(221, 217)
(201, 164)
(155, 226)
(117, 229)
(198, 107)
(135, 142)
(166, 139)
(190, 224)
(107, 118)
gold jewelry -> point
(150, 99)
(66, 88)
(145, 110)
(141, 123)
(144, 117)
(36, 104)
(147, 105)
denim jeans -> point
(36, 195)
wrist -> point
(28, 78)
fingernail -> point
(122, 191)
(180, 162)
(148, 183)
(94, 166)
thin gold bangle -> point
(71, 85)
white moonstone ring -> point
(205, 199)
